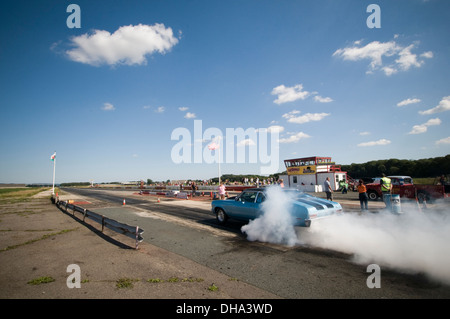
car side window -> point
(261, 198)
(248, 197)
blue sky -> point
(107, 96)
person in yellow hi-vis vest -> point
(386, 187)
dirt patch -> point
(39, 241)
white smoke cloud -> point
(276, 224)
(413, 242)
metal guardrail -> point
(134, 232)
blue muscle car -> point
(249, 205)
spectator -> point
(194, 189)
(386, 187)
(363, 198)
(222, 191)
(327, 188)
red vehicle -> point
(404, 186)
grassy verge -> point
(424, 180)
(15, 195)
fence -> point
(133, 232)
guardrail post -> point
(103, 223)
(137, 236)
(84, 215)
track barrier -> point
(134, 232)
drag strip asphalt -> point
(189, 229)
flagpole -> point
(54, 169)
(219, 165)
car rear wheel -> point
(423, 196)
(373, 195)
(221, 216)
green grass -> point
(424, 180)
(11, 190)
(35, 240)
(41, 280)
(14, 195)
(213, 287)
(190, 279)
(174, 279)
(155, 280)
(125, 282)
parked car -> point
(248, 206)
(405, 187)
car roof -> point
(264, 189)
(399, 176)
(256, 189)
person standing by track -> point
(386, 188)
(363, 198)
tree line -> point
(427, 167)
(232, 178)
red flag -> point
(213, 146)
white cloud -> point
(183, 108)
(375, 52)
(422, 128)
(289, 94)
(291, 114)
(190, 115)
(308, 117)
(443, 141)
(108, 107)
(246, 142)
(294, 138)
(427, 55)
(407, 59)
(382, 141)
(127, 45)
(275, 129)
(387, 70)
(294, 93)
(320, 99)
(160, 109)
(444, 105)
(364, 133)
(407, 102)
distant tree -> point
(394, 170)
(381, 169)
(427, 167)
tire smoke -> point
(412, 242)
(276, 224)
